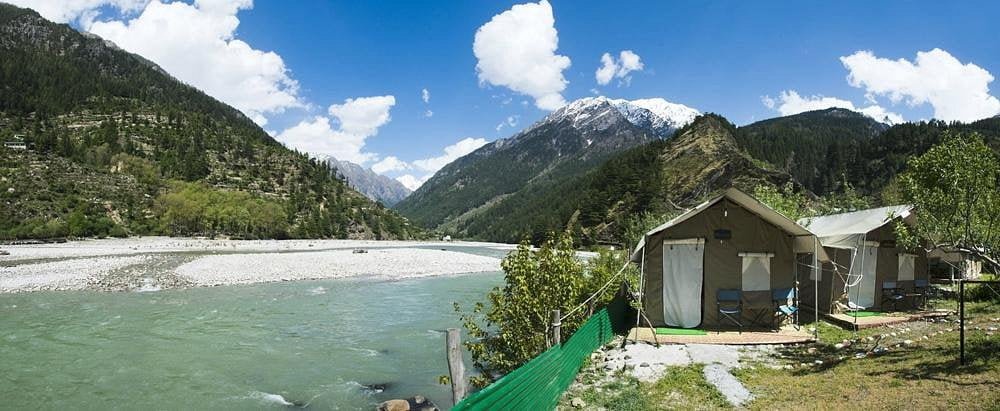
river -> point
(315, 343)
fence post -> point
(556, 325)
(961, 321)
(456, 367)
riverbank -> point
(155, 263)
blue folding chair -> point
(730, 306)
(784, 304)
(892, 294)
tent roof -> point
(740, 198)
(858, 222)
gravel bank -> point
(153, 263)
(381, 264)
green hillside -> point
(115, 146)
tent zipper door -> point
(683, 277)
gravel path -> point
(731, 388)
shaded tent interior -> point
(864, 257)
(953, 264)
(731, 242)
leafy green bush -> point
(515, 327)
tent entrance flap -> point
(683, 276)
(861, 289)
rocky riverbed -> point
(154, 263)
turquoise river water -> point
(321, 344)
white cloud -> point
(363, 116)
(790, 102)
(357, 120)
(388, 164)
(451, 153)
(411, 182)
(430, 165)
(82, 11)
(626, 63)
(517, 49)
(428, 113)
(425, 96)
(197, 44)
(510, 121)
(956, 91)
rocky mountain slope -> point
(373, 185)
(565, 145)
(660, 177)
(115, 146)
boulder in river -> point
(415, 403)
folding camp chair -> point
(730, 306)
(784, 304)
(921, 289)
(760, 307)
(891, 294)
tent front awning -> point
(848, 230)
(804, 242)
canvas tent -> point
(729, 242)
(953, 264)
(864, 256)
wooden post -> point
(456, 367)
(556, 325)
(961, 321)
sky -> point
(406, 87)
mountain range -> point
(373, 185)
(597, 164)
(497, 178)
(104, 142)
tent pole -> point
(642, 283)
(816, 273)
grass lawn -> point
(915, 372)
(924, 374)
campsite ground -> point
(919, 370)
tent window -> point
(906, 266)
(756, 271)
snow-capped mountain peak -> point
(656, 114)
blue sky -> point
(745, 60)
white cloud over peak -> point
(954, 90)
(517, 49)
(433, 164)
(363, 116)
(510, 121)
(82, 11)
(411, 182)
(356, 120)
(391, 163)
(789, 102)
(611, 68)
(197, 44)
(451, 153)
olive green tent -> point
(865, 257)
(731, 242)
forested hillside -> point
(827, 148)
(115, 146)
(846, 157)
(659, 178)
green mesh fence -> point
(538, 384)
